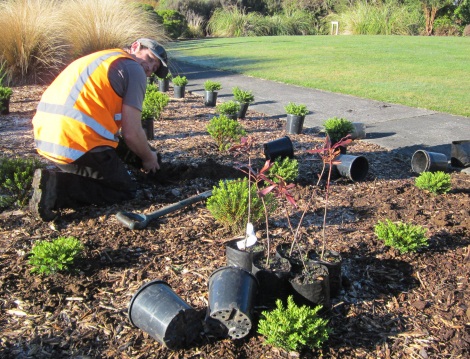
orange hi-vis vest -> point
(79, 110)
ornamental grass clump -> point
(16, 178)
(337, 128)
(229, 204)
(402, 236)
(295, 327)
(49, 257)
(434, 182)
(225, 131)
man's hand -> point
(152, 165)
(135, 138)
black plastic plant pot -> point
(283, 251)
(460, 153)
(159, 311)
(163, 85)
(243, 109)
(312, 287)
(179, 91)
(242, 258)
(148, 126)
(232, 292)
(5, 106)
(354, 168)
(294, 124)
(282, 147)
(332, 260)
(273, 281)
(424, 161)
(210, 98)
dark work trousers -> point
(95, 178)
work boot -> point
(43, 201)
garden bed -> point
(392, 305)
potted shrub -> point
(244, 98)
(337, 128)
(211, 88)
(164, 83)
(179, 85)
(152, 107)
(295, 117)
(5, 95)
(229, 109)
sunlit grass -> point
(423, 72)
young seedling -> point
(328, 154)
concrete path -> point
(394, 127)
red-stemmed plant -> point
(328, 154)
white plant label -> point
(250, 238)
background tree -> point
(430, 8)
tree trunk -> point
(430, 13)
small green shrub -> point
(16, 178)
(151, 87)
(287, 169)
(294, 327)
(57, 255)
(154, 103)
(228, 108)
(229, 204)
(242, 96)
(225, 131)
(180, 80)
(434, 182)
(403, 236)
(212, 85)
(296, 109)
(337, 128)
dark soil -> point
(391, 305)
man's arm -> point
(135, 138)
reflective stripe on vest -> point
(50, 116)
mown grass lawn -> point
(423, 72)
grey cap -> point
(159, 52)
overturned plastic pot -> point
(353, 167)
(312, 286)
(232, 293)
(460, 153)
(282, 147)
(294, 124)
(159, 311)
(359, 131)
(424, 161)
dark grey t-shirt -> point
(129, 81)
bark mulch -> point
(392, 305)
